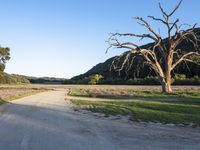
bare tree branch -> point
(157, 19)
(174, 24)
(137, 35)
(175, 9)
(146, 24)
(184, 58)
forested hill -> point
(6, 78)
(138, 70)
(44, 80)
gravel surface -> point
(46, 122)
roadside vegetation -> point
(8, 93)
(144, 103)
(177, 112)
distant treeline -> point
(43, 80)
(178, 79)
(20, 79)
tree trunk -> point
(166, 87)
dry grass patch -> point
(128, 92)
(8, 93)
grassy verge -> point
(164, 112)
(2, 101)
(10, 98)
(79, 93)
(176, 94)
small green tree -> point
(95, 79)
(4, 57)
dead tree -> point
(168, 48)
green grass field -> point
(180, 107)
(164, 112)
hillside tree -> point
(165, 54)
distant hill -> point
(138, 70)
(6, 78)
(43, 80)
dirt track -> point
(46, 122)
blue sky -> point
(63, 38)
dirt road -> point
(46, 122)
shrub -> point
(95, 79)
(187, 81)
(179, 77)
(146, 81)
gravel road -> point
(46, 122)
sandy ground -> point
(46, 122)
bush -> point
(186, 81)
(95, 79)
(146, 81)
(179, 77)
(92, 79)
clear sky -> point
(63, 38)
